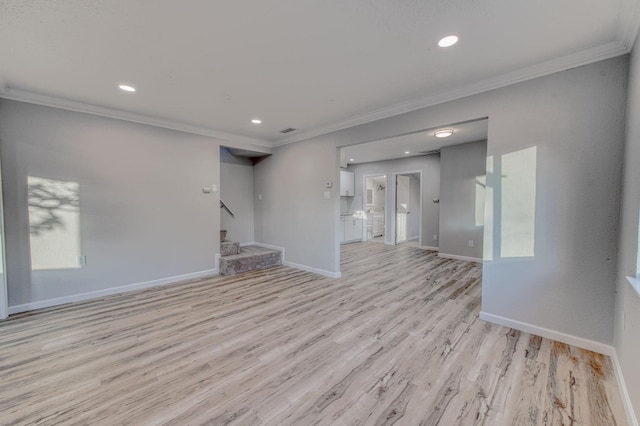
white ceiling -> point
(210, 66)
(416, 143)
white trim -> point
(251, 243)
(624, 393)
(629, 24)
(389, 243)
(584, 57)
(635, 284)
(311, 269)
(456, 257)
(430, 248)
(4, 293)
(413, 238)
(67, 104)
(109, 291)
(559, 336)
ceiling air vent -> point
(433, 151)
(289, 130)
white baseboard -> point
(430, 248)
(456, 257)
(314, 270)
(414, 238)
(580, 342)
(108, 291)
(299, 266)
(624, 393)
(389, 243)
(249, 243)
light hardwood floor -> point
(396, 340)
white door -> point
(402, 207)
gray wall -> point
(293, 212)
(574, 118)
(460, 166)
(236, 189)
(430, 167)
(143, 214)
(627, 319)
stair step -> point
(250, 258)
(228, 248)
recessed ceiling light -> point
(256, 121)
(127, 88)
(443, 133)
(407, 152)
(448, 41)
(352, 159)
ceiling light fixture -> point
(407, 152)
(256, 121)
(352, 159)
(443, 133)
(127, 88)
(448, 41)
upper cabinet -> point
(347, 184)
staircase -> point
(235, 259)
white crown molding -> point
(66, 104)
(584, 57)
(629, 23)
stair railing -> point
(224, 205)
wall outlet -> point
(435, 237)
(470, 243)
(82, 260)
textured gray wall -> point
(236, 189)
(627, 319)
(459, 167)
(575, 118)
(143, 214)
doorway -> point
(408, 208)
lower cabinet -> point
(350, 229)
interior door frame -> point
(391, 218)
(4, 295)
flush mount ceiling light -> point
(407, 152)
(448, 41)
(443, 133)
(127, 88)
(352, 159)
(256, 121)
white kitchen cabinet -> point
(351, 229)
(347, 184)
